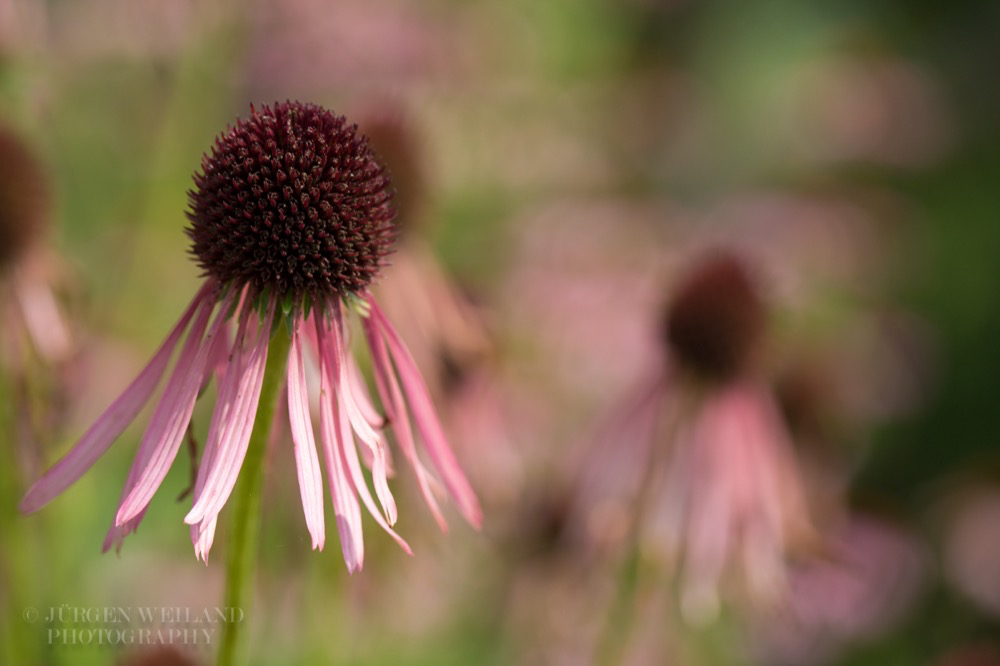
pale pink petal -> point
(203, 536)
(218, 359)
(335, 339)
(117, 532)
(232, 424)
(372, 440)
(165, 432)
(392, 399)
(203, 533)
(306, 460)
(604, 467)
(112, 422)
(710, 522)
(427, 422)
(679, 483)
(360, 391)
(350, 459)
(45, 324)
(763, 560)
(345, 504)
(787, 507)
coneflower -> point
(729, 495)
(291, 222)
(28, 305)
(445, 330)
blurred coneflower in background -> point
(31, 314)
(446, 334)
(35, 339)
(702, 451)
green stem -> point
(242, 546)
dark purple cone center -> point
(715, 319)
(292, 200)
(22, 198)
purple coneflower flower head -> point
(27, 302)
(715, 320)
(291, 221)
(22, 199)
(728, 498)
(733, 488)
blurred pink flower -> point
(445, 330)
(37, 346)
(26, 296)
(972, 546)
(703, 450)
(303, 252)
(868, 576)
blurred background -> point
(560, 165)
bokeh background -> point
(567, 160)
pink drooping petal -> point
(359, 387)
(116, 534)
(218, 359)
(345, 504)
(112, 422)
(44, 322)
(709, 523)
(788, 506)
(427, 421)
(203, 536)
(763, 561)
(360, 391)
(679, 484)
(353, 465)
(759, 459)
(203, 532)
(605, 471)
(165, 431)
(306, 460)
(232, 425)
(392, 400)
(371, 439)
(335, 339)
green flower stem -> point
(245, 520)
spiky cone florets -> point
(292, 201)
(716, 319)
(23, 198)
